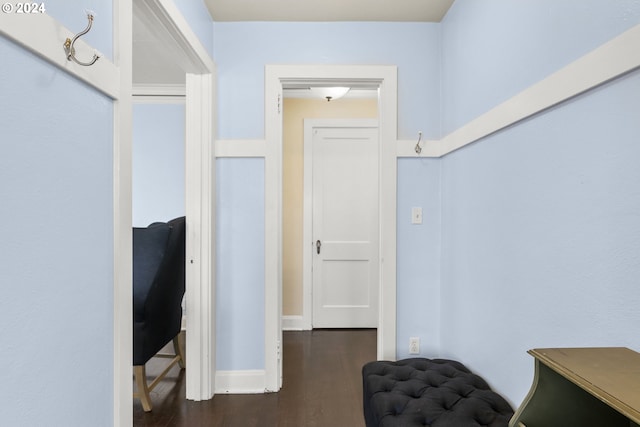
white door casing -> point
(386, 77)
(345, 250)
(164, 18)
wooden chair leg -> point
(177, 346)
(143, 389)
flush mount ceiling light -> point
(330, 93)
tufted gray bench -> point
(429, 392)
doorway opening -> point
(278, 78)
(306, 114)
(169, 62)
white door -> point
(345, 227)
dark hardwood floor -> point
(322, 387)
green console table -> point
(582, 387)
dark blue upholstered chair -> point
(158, 288)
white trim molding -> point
(241, 148)
(388, 128)
(607, 62)
(200, 115)
(200, 250)
(159, 94)
(180, 39)
(613, 59)
(240, 382)
(122, 218)
(48, 42)
(385, 77)
(159, 90)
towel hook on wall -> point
(71, 51)
(418, 148)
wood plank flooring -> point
(322, 387)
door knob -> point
(318, 245)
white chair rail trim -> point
(607, 62)
(47, 43)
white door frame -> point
(307, 215)
(122, 218)
(275, 75)
(199, 205)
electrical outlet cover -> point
(414, 345)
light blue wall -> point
(541, 221)
(56, 268)
(418, 256)
(199, 19)
(158, 162)
(240, 264)
(241, 51)
(493, 49)
(541, 236)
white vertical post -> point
(122, 213)
(273, 231)
(200, 250)
(388, 113)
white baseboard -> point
(240, 382)
(295, 323)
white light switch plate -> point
(416, 215)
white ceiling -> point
(329, 10)
(155, 60)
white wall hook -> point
(70, 50)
